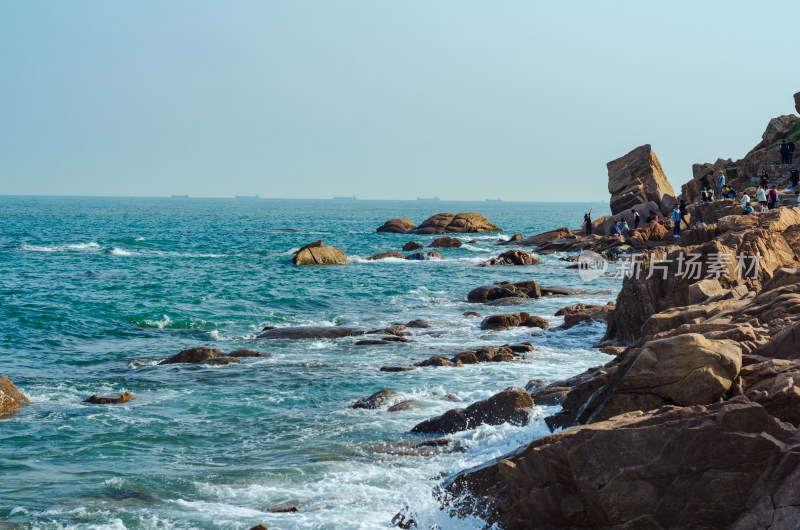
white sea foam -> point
(73, 247)
(116, 251)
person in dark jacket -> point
(784, 152)
(587, 222)
(764, 178)
(683, 209)
(794, 176)
(636, 219)
(790, 153)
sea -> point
(95, 292)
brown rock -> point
(503, 357)
(471, 314)
(247, 353)
(193, 355)
(425, 256)
(534, 321)
(221, 361)
(259, 527)
(418, 324)
(578, 313)
(462, 223)
(103, 400)
(435, 361)
(317, 254)
(445, 242)
(546, 237)
(409, 404)
(465, 357)
(549, 396)
(11, 399)
(411, 246)
(396, 226)
(774, 384)
(501, 322)
(512, 405)
(637, 178)
(779, 128)
(512, 257)
(485, 353)
(375, 400)
(692, 467)
(310, 332)
(397, 368)
(372, 342)
(384, 255)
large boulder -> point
(396, 226)
(579, 313)
(11, 399)
(682, 370)
(445, 242)
(462, 223)
(318, 254)
(677, 467)
(512, 257)
(638, 178)
(512, 405)
(425, 256)
(193, 356)
(779, 128)
(545, 237)
(376, 400)
(386, 255)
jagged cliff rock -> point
(638, 178)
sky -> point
(460, 99)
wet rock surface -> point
(512, 405)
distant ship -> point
(247, 196)
(494, 200)
(180, 196)
(427, 199)
(353, 198)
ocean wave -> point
(75, 247)
(116, 251)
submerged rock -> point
(247, 353)
(512, 257)
(425, 256)
(512, 405)
(385, 255)
(375, 400)
(193, 355)
(310, 332)
(409, 404)
(96, 399)
(411, 246)
(221, 361)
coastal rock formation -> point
(501, 290)
(375, 400)
(778, 128)
(638, 178)
(445, 242)
(463, 223)
(505, 321)
(396, 226)
(578, 313)
(11, 399)
(385, 255)
(512, 257)
(411, 246)
(247, 353)
(425, 256)
(678, 467)
(512, 405)
(193, 355)
(318, 254)
(103, 400)
(545, 237)
(310, 332)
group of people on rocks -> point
(767, 198)
(787, 151)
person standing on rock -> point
(784, 152)
(764, 178)
(676, 222)
(636, 219)
(794, 176)
(587, 222)
(773, 198)
(790, 152)
(720, 183)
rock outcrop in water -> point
(318, 254)
(512, 257)
(11, 399)
(512, 405)
(96, 399)
(442, 223)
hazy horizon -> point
(458, 99)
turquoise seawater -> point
(94, 292)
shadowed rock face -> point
(396, 226)
(690, 467)
(512, 257)
(193, 355)
(512, 405)
(638, 178)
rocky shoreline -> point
(694, 423)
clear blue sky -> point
(462, 99)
